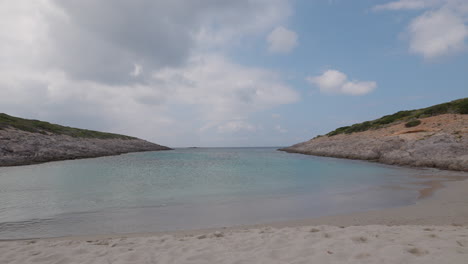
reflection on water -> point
(189, 188)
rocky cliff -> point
(439, 141)
(25, 141)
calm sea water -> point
(189, 189)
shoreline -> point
(397, 144)
(441, 196)
(21, 148)
(433, 230)
(377, 161)
(78, 158)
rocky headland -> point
(434, 137)
(25, 142)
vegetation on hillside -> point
(37, 126)
(459, 106)
(413, 123)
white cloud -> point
(407, 5)
(440, 30)
(247, 18)
(108, 36)
(236, 126)
(437, 33)
(282, 40)
(336, 82)
(153, 69)
(280, 129)
(213, 90)
(329, 81)
(222, 89)
(358, 88)
(137, 69)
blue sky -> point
(351, 37)
(223, 73)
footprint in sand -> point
(362, 255)
(360, 239)
(314, 230)
(417, 252)
(79, 251)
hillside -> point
(36, 126)
(455, 107)
(435, 136)
(24, 141)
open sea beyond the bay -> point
(190, 189)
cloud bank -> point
(153, 69)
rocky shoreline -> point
(439, 142)
(19, 147)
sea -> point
(191, 188)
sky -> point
(221, 73)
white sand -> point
(435, 230)
(320, 244)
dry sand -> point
(434, 230)
(320, 244)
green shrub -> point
(459, 106)
(437, 109)
(462, 107)
(359, 127)
(36, 126)
(413, 123)
(337, 131)
(392, 118)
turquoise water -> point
(188, 189)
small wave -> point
(22, 224)
(14, 227)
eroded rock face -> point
(439, 142)
(20, 147)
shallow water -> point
(189, 189)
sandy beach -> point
(319, 244)
(234, 132)
(434, 230)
